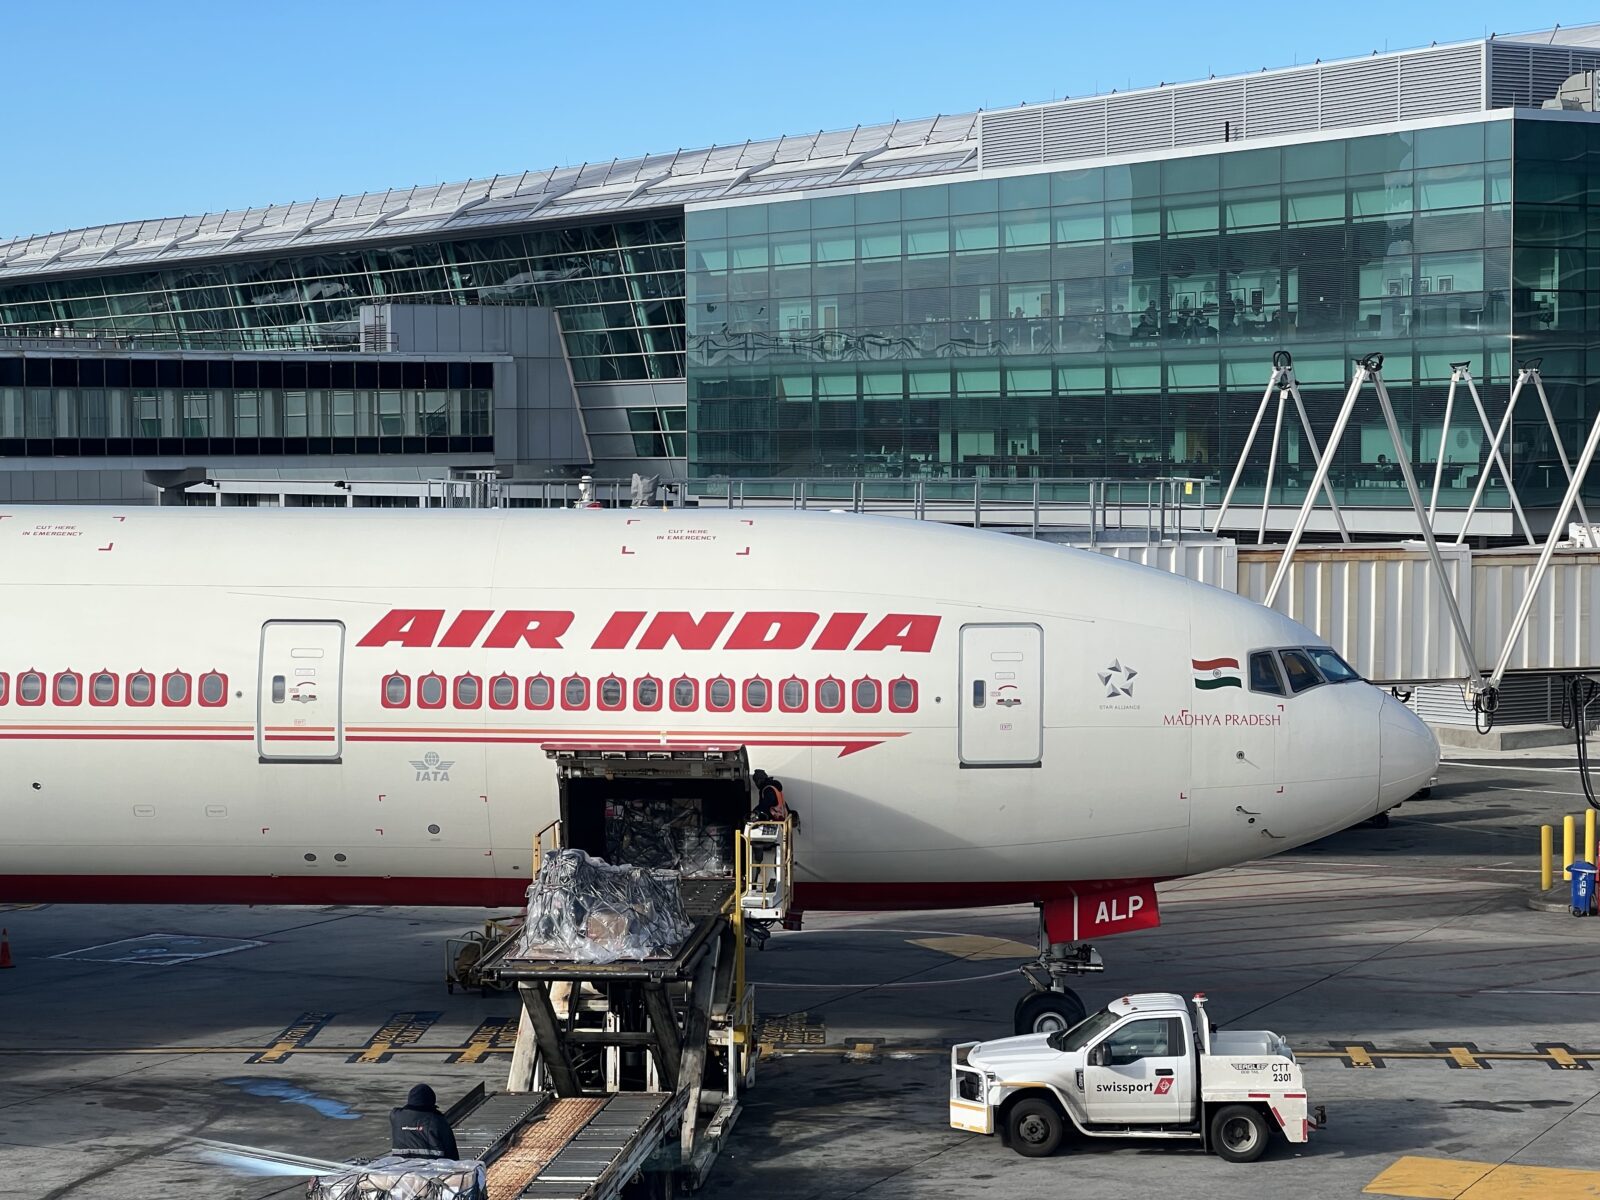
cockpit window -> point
(1264, 676)
(1334, 669)
(1298, 667)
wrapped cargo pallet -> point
(581, 909)
(396, 1178)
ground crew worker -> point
(769, 797)
(419, 1130)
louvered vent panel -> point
(1442, 81)
(1013, 138)
(1138, 122)
(1551, 67)
(1361, 93)
(1209, 112)
(1075, 130)
(1510, 71)
(1280, 104)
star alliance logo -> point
(1117, 680)
(430, 768)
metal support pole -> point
(1255, 426)
(1318, 480)
(1316, 456)
(1404, 459)
(1272, 462)
(1444, 436)
(1495, 459)
(1569, 829)
(1546, 853)
(1531, 372)
(1585, 460)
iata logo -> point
(430, 768)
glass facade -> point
(91, 407)
(1113, 321)
(618, 289)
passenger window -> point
(575, 692)
(69, 688)
(903, 695)
(719, 694)
(30, 688)
(792, 696)
(1264, 675)
(611, 692)
(5, 687)
(540, 694)
(142, 688)
(865, 696)
(503, 693)
(468, 693)
(213, 689)
(1334, 669)
(430, 691)
(103, 688)
(685, 693)
(396, 691)
(1302, 675)
(757, 695)
(647, 693)
(1149, 1038)
(830, 695)
(175, 690)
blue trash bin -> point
(1582, 888)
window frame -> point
(744, 694)
(549, 693)
(489, 692)
(733, 694)
(638, 704)
(55, 688)
(188, 689)
(580, 705)
(877, 695)
(444, 691)
(383, 690)
(805, 695)
(694, 694)
(116, 689)
(455, 692)
(44, 688)
(1271, 657)
(916, 694)
(127, 686)
(600, 693)
(200, 690)
(5, 687)
(844, 696)
(1283, 661)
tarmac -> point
(1449, 1029)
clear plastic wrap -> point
(396, 1178)
(582, 909)
(703, 853)
(640, 832)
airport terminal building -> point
(1084, 288)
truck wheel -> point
(1238, 1134)
(1047, 1012)
(1034, 1128)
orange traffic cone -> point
(5, 949)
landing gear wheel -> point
(1035, 1128)
(1048, 1012)
(1238, 1134)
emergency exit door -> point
(1002, 695)
(299, 706)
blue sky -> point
(150, 108)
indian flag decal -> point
(1213, 673)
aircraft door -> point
(1002, 695)
(299, 705)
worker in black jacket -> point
(419, 1130)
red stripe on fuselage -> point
(481, 893)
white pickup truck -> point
(1141, 1067)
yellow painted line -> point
(1563, 1058)
(1463, 1058)
(1457, 1179)
(975, 948)
(1356, 1054)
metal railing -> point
(236, 341)
(1155, 509)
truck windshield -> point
(1084, 1032)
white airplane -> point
(301, 707)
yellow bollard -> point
(1569, 838)
(1547, 837)
(1588, 835)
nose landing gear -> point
(1050, 1004)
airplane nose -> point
(1408, 754)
